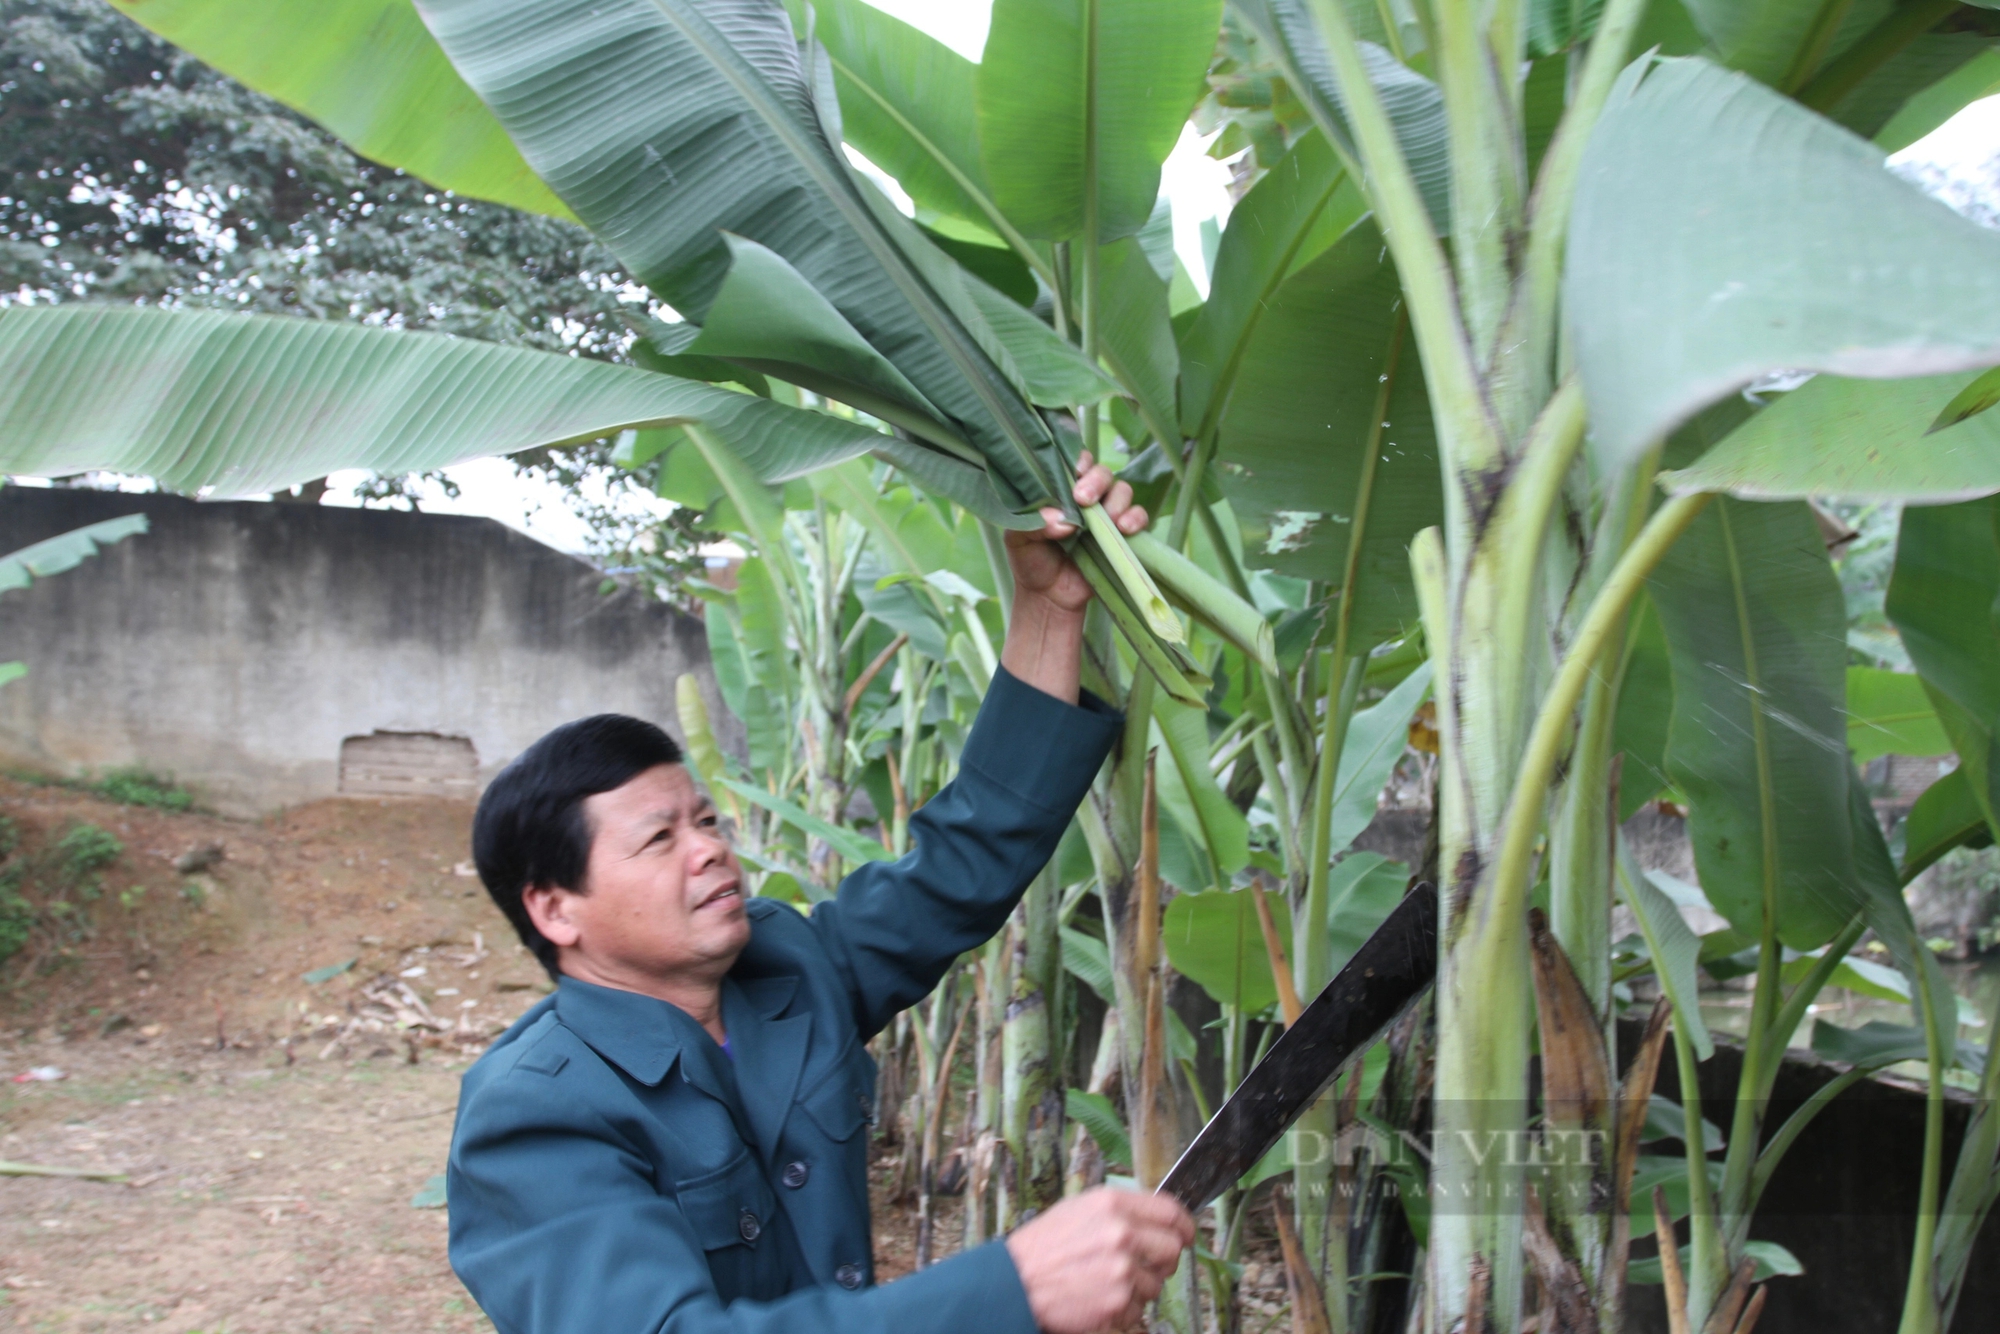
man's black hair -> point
(530, 828)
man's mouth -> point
(721, 894)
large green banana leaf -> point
(1302, 205)
(1942, 598)
(906, 101)
(369, 72)
(244, 404)
(1294, 445)
(770, 318)
(1722, 232)
(1080, 101)
(1835, 436)
(1756, 628)
(1414, 105)
(666, 123)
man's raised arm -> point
(894, 927)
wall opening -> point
(409, 764)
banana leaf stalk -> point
(1178, 674)
(1115, 555)
(1210, 601)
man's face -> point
(663, 894)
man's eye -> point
(663, 836)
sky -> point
(1196, 184)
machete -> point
(1388, 972)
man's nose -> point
(706, 848)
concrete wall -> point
(237, 645)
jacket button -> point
(747, 1226)
(848, 1276)
(795, 1175)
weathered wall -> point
(237, 645)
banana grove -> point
(1536, 329)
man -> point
(674, 1140)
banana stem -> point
(1523, 818)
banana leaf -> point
(906, 102)
(1214, 939)
(1294, 446)
(368, 71)
(1302, 205)
(1945, 816)
(1675, 949)
(1942, 598)
(1722, 231)
(722, 124)
(851, 844)
(1873, 439)
(1376, 740)
(1756, 629)
(1362, 889)
(245, 404)
(1080, 101)
(65, 551)
(1924, 111)
(1645, 708)
(1414, 104)
(1888, 713)
(1921, 65)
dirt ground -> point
(273, 1131)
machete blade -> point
(1388, 972)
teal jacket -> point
(614, 1171)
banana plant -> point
(1537, 304)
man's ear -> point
(548, 907)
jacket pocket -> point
(729, 1211)
(844, 1099)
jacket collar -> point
(641, 1035)
(644, 1036)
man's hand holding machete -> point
(674, 1140)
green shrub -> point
(141, 787)
(84, 851)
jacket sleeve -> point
(556, 1228)
(895, 927)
